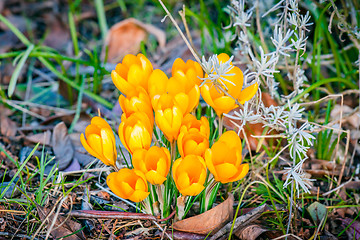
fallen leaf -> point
(317, 212)
(74, 166)
(42, 138)
(353, 230)
(8, 127)
(62, 146)
(347, 114)
(355, 185)
(63, 226)
(126, 36)
(250, 232)
(209, 221)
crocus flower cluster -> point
(150, 97)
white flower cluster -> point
(288, 37)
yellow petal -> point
(155, 178)
(122, 70)
(95, 142)
(138, 196)
(157, 83)
(224, 105)
(136, 76)
(178, 64)
(231, 139)
(108, 146)
(219, 150)
(180, 144)
(193, 190)
(92, 129)
(248, 93)
(88, 148)
(182, 101)
(225, 171)
(121, 133)
(137, 138)
(114, 185)
(126, 189)
(194, 97)
(129, 60)
(162, 166)
(205, 93)
(242, 171)
(209, 162)
(137, 160)
(234, 82)
(140, 185)
(100, 122)
(120, 83)
(183, 180)
(190, 147)
(223, 57)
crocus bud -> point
(224, 158)
(135, 132)
(99, 141)
(133, 71)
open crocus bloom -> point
(168, 117)
(224, 159)
(135, 132)
(100, 141)
(185, 93)
(129, 184)
(189, 174)
(192, 143)
(233, 84)
(191, 69)
(133, 71)
(191, 124)
(154, 163)
(137, 100)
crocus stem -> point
(173, 150)
(221, 120)
(115, 167)
(180, 203)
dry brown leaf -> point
(42, 138)
(353, 119)
(62, 146)
(8, 127)
(209, 221)
(126, 36)
(63, 226)
(250, 232)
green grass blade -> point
(16, 31)
(18, 69)
(19, 171)
(99, 5)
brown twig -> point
(111, 215)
